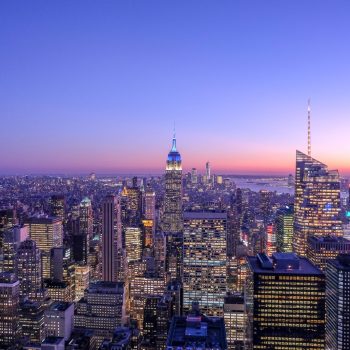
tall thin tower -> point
(172, 215)
(109, 239)
(308, 128)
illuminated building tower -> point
(284, 229)
(82, 237)
(194, 176)
(265, 205)
(207, 172)
(141, 287)
(134, 204)
(29, 270)
(204, 261)
(338, 303)
(321, 249)
(317, 202)
(150, 322)
(159, 251)
(8, 219)
(59, 320)
(285, 303)
(133, 243)
(57, 204)
(9, 303)
(172, 216)
(63, 268)
(270, 239)
(47, 234)
(109, 240)
(102, 309)
(235, 321)
(149, 218)
(58, 290)
(196, 331)
(31, 321)
(11, 240)
(150, 204)
(174, 255)
(82, 273)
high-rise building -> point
(194, 176)
(82, 278)
(59, 320)
(207, 172)
(82, 237)
(31, 321)
(63, 268)
(285, 302)
(133, 243)
(204, 261)
(29, 270)
(58, 290)
(284, 229)
(338, 303)
(11, 240)
(196, 331)
(321, 249)
(9, 304)
(317, 202)
(270, 239)
(172, 216)
(57, 204)
(102, 309)
(265, 205)
(140, 288)
(174, 256)
(109, 240)
(235, 321)
(47, 234)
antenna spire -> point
(173, 148)
(308, 128)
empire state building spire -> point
(308, 129)
(172, 214)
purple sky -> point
(97, 85)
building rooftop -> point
(282, 263)
(200, 215)
(60, 306)
(43, 220)
(342, 262)
(197, 331)
(328, 240)
(106, 287)
(53, 340)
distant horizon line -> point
(150, 174)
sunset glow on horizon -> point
(235, 78)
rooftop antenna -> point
(308, 128)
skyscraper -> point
(29, 270)
(338, 303)
(82, 238)
(285, 302)
(204, 261)
(284, 229)
(47, 234)
(207, 172)
(321, 249)
(58, 206)
(9, 303)
(102, 309)
(172, 215)
(109, 240)
(317, 202)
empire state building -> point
(172, 216)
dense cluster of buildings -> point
(180, 261)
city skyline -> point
(98, 88)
